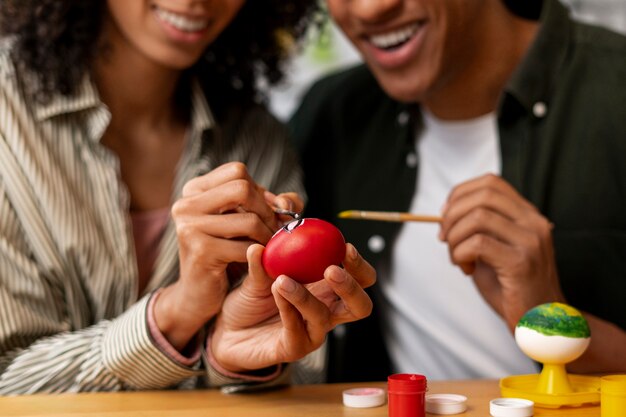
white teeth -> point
(395, 38)
(181, 22)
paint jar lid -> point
(406, 383)
(511, 407)
(364, 397)
(446, 403)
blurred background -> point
(327, 50)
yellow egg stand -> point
(553, 387)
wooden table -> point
(295, 401)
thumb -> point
(258, 283)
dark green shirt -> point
(562, 125)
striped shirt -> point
(70, 316)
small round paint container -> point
(364, 397)
(613, 396)
(406, 394)
(511, 407)
(446, 403)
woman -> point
(109, 112)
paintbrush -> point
(388, 216)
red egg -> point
(303, 249)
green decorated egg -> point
(553, 333)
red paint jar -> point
(407, 394)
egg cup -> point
(553, 334)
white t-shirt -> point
(436, 322)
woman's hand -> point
(502, 240)
(265, 322)
(218, 217)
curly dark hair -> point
(58, 39)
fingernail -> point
(338, 276)
(283, 203)
(287, 284)
(353, 254)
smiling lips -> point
(397, 47)
(181, 22)
(394, 39)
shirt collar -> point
(535, 79)
(86, 97)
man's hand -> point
(502, 240)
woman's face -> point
(173, 33)
(413, 47)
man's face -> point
(413, 47)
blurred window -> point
(608, 13)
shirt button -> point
(411, 160)
(376, 243)
(540, 109)
(403, 118)
(340, 331)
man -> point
(509, 120)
